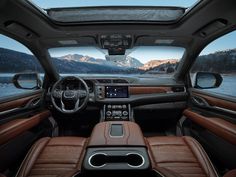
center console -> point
(117, 146)
(114, 109)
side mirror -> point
(206, 80)
(29, 81)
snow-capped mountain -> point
(155, 63)
(128, 62)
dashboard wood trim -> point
(148, 90)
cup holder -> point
(135, 160)
(99, 160)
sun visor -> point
(20, 30)
(211, 28)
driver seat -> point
(53, 157)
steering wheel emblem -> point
(69, 94)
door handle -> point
(199, 101)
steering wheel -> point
(77, 97)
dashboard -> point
(116, 97)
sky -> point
(225, 42)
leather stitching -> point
(196, 156)
(204, 156)
(22, 169)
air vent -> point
(107, 81)
(178, 89)
(120, 81)
(104, 81)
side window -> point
(219, 57)
(14, 59)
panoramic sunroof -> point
(109, 10)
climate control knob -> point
(108, 113)
(125, 113)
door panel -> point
(22, 101)
(211, 119)
(22, 122)
(211, 113)
(23, 119)
(216, 125)
(214, 102)
(14, 128)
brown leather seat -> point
(180, 156)
(53, 157)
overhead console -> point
(116, 43)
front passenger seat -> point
(53, 157)
(182, 156)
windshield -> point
(149, 60)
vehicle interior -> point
(105, 88)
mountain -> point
(80, 58)
(71, 57)
(128, 62)
(155, 63)
(219, 62)
(14, 62)
(123, 61)
(131, 62)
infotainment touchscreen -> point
(116, 92)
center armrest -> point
(120, 133)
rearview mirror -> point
(207, 80)
(29, 81)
